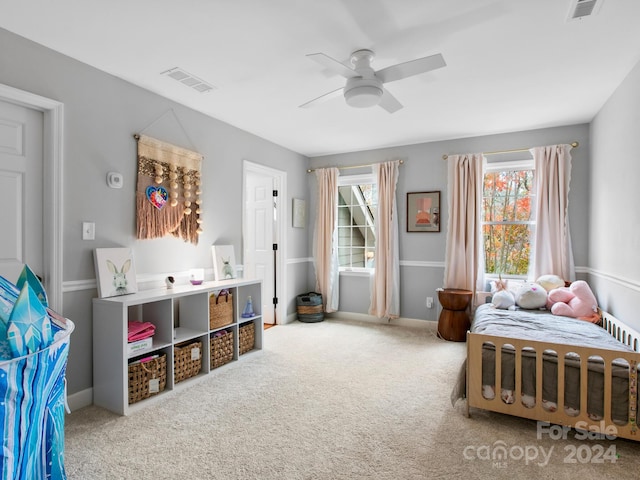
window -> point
(508, 217)
(357, 204)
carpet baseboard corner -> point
(80, 399)
(402, 321)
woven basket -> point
(141, 375)
(247, 337)
(309, 307)
(306, 310)
(185, 363)
(220, 310)
(221, 349)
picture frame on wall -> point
(224, 262)
(423, 211)
(115, 272)
(299, 213)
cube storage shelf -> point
(180, 315)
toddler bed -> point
(561, 370)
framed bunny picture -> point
(115, 272)
(224, 262)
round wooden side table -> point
(453, 322)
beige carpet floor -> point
(331, 400)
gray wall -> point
(614, 233)
(422, 254)
(102, 113)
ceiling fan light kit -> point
(362, 93)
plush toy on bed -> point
(502, 297)
(531, 296)
(577, 301)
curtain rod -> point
(309, 170)
(515, 150)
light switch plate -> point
(88, 231)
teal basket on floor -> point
(309, 307)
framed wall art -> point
(224, 262)
(423, 211)
(299, 213)
(115, 272)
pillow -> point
(503, 300)
(549, 282)
(531, 296)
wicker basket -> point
(247, 337)
(147, 379)
(309, 307)
(187, 361)
(220, 310)
(221, 348)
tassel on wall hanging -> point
(168, 193)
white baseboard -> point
(80, 399)
(362, 317)
(402, 321)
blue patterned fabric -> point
(33, 361)
(32, 408)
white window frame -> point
(358, 179)
(512, 165)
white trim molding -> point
(283, 200)
(422, 264)
(623, 282)
(52, 213)
(80, 399)
(291, 261)
(402, 321)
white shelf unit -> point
(180, 314)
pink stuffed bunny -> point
(576, 300)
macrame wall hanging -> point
(168, 193)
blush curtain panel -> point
(552, 241)
(464, 258)
(325, 240)
(385, 286)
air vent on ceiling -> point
(188, 79)
(583, 8)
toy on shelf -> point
(248, 309)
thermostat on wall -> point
(114, 180)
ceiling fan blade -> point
(322, 98)
(408, 69)
(333, 65)
(389, 102)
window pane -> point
(507, 249)
(507, 196)
(356, 237)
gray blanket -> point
(543, 326)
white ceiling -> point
(511, 65)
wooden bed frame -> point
(582, 421)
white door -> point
(21, 190)
(260, 217)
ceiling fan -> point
(365, 87)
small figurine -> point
(248, 309)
